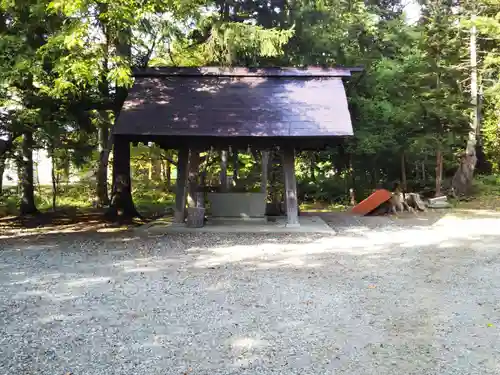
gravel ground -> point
(383, 297)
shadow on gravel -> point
(386, 299)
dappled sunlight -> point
(123, 239)
(275, 254)
(248, 350)
(60, 229)
(446, 229)
(29, 280)
(35, 280)
(446, 233)
(133, 262)
(288, 262)
(88, 281)
(221, 285)
(240, 300)
(59, 318)
(247, 343)
(112, 229)
(145, 265)
(56, 297)
(141, 269)
(474, 212)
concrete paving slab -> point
(310, 224)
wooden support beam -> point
(290, 188)
(236, 166)
(223, 170)
(180, 195)
(194, 171)
(265, 165)
(121, 198)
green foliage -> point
(239, 43)
(65, 67)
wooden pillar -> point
(121, 199)
(180, 195)
(223, 170)
(236, 166)
(27, 182)
(290, 187)
(265, 164)
(194, 169)
(168, 174)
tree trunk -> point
(150, 166)
(462, 180)
(6, 145)
(439, 171)
(28, 206)
(54, 179)
(168, 174)
(312, 165)
(2, 170)
(122, 204)
(123, 45)
(157, 176)
(404, 184)
(375, 178)
(105, 140)
(105, 143)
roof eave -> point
(246, 72)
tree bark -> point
(122, 205)
(2, 170)
(168, 174)
(28, 206)
(439, 171)
(105, 143)
(53, 178)
(404, 184)
(157, 176)
(150, 166)
(105, 140)
(122, 43)
(462, 180)
(6, 145)
(312, 166)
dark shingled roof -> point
(236, 102)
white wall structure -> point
(42, 170)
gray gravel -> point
(397, 299)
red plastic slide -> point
(372, 202)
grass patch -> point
(486, 194)
(322, 207)
(150, 199)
